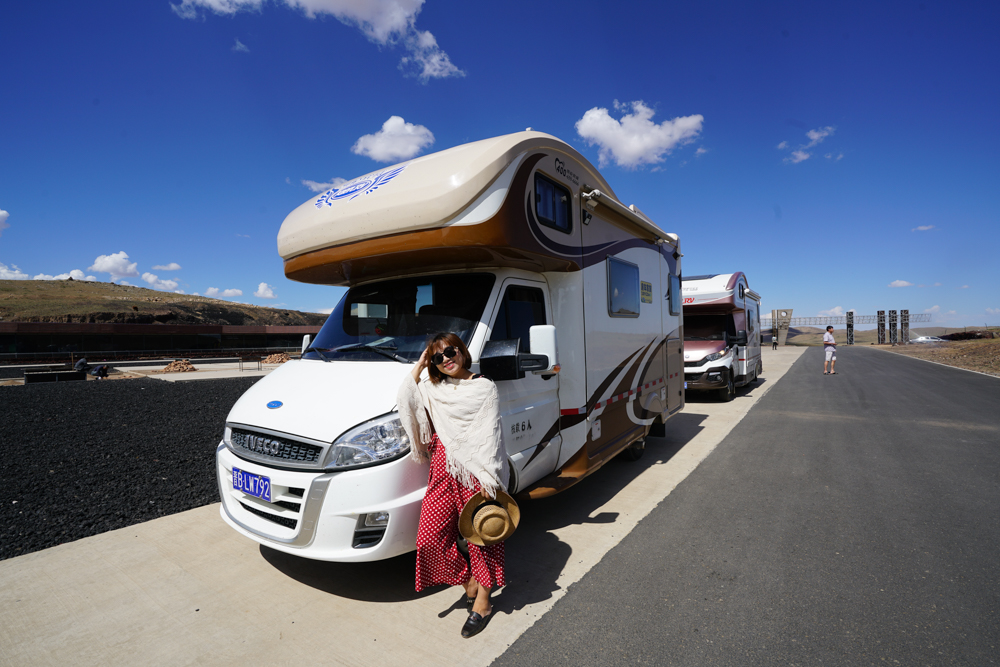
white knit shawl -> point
(466, 416)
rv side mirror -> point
(305, 342)
(499, 360)
(741, 337)
(543, 343)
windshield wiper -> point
(317, 351)
(384, 350)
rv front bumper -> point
(356, 515)
(714, 378)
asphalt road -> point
(851, 519)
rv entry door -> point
(529, 406)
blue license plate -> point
(257, 486)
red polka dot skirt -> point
(438, 559)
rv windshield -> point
(708, 327)
(392, 319)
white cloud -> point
(798, 156)
(836, 311)
(315, 186)
(156, 283)
(384, 22)
(993, 311)
(324, 311)
(117, 265)
(12, 272)
(244, 236)
(240, 47)
(75, 274)
(426, 60)
(922, 228)
(178, 291)
(964, 287)
(3, 220)
(265, 291)
(397, 140)
(937, 284)
(801, 154)
(817, 136)
(125, 282)
(700, 151)
(635, 140)
(214, 292)
(900, 283)
(938, 315)
(172, 266)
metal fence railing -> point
(14, 358)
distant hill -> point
(95, 302)
(814, 335)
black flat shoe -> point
(475, 624)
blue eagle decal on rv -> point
(359, 186)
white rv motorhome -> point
(722, 334)
(519, 246)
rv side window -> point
(675, 295)
(623, 288)
(552, 204)
(521, 309)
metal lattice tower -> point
(881, 327)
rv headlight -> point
(715, 356)
(376, 440)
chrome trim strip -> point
(273, 461)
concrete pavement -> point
(187, 590)
(850, 519)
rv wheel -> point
(634, 451)
(727, 393)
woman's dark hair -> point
(448, 339)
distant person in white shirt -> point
(830, 351)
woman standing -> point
(453, 418)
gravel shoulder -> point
(82, 458)
(974, 355)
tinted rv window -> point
(521, 309)
(397, 316)
(675, 295)
(623, 288)
(552, 204)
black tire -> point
(634, 451)
(728, 392)
(658, 429)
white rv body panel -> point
(458, 241)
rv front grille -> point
(275, 447)
(280, 520)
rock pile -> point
(179, 366)
(278, 358)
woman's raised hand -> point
(421, 364)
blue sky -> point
(842, 154)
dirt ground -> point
(974, 355)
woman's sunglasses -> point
(438, 359)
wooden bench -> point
(251, 358)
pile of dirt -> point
(974, 355)
(179, 366)
(969, 335)
(278, 358)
